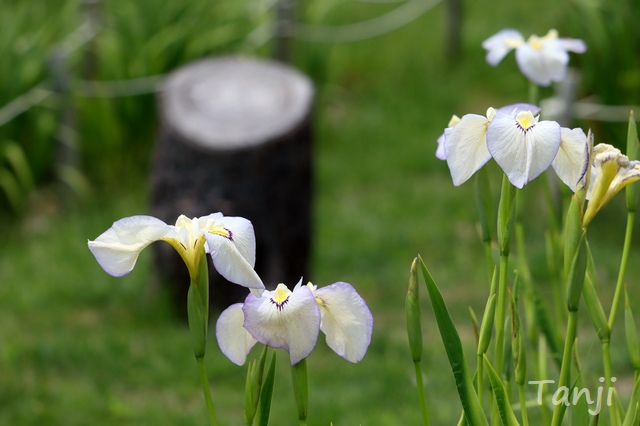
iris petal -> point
(291, 322)
(573, 157)
(234, 340)
(229, 262)
(346, 320)
(522, 153)
(117, 249)
(466, 147)
(500, 44)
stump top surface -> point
(235, 102)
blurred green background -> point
(79, 347)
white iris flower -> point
(522, 145)
(542, 60)
(229, 240)
(292, 320)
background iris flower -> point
(542, 60)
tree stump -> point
(235, 138)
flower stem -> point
(523, 405)
(207, 391)
(301, 389)
(506, 215)
(421, 394)
(534, 93)
(606, 358)
(566, 364)
(623, 268)
(480, 376)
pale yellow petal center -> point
(526, 120)
(280, 296)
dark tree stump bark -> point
(236, 138)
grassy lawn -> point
(79, 347)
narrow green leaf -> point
(502, 398)
(631, 333)
(579, 412)
(253, 387)
(592, 301)
(545, 323)
(631, 418)
(453, 347)
(486, 327)
(577, 272)
(267, 393)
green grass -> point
(79, 347)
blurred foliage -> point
(133, 40)
(610, 70)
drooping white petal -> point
(572, 45)
(234, 340)
(242, 235)
(522, 147)
(346, 320)
(284, 319)
(466, 147)
(572, 158)
(500, 44)
(229, 262)
(117, 249)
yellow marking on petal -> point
(320, 302)
(525, 119)
(218, 230)
(512, 43)
(536, 42)
(551, 35)
(280, 296)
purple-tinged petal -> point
(346, 320)
(572, 158)
(284, 319)
(514, 109)
(522, 146)
(234, 340)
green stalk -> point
(506, 214)
(414, 332)
(608, 373)
(207, 391)
(534, 93)
(485, 214)
(198, 316)
(558, 411)
(623, 268)
(301, 390)
(523, 405)
(480, 372)
(423, 398)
